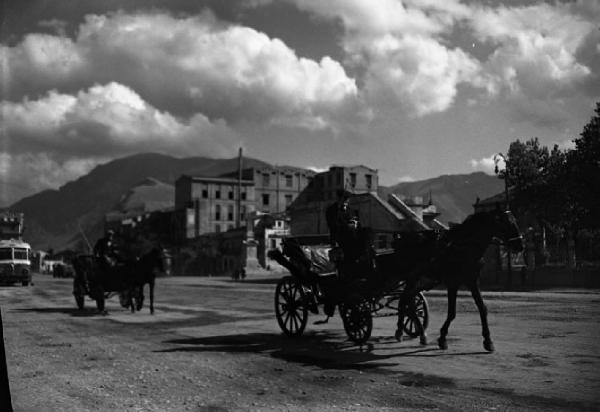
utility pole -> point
(239, 191)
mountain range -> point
(73, 215)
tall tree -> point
(584, 172)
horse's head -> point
(507, 230)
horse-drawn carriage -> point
(126, 278)
(318, 276)
(377, 284)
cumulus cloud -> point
(184, 65)
(402, 48)
(401, 51)
(418, 73)
(487, 164)
(27, 173)
(405, 179)
(107, 120)
(535, 48)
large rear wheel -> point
(421, 313)
(290, 306)
(358, 321)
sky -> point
(412, 88)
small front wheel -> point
(358, 321)
(421, 314)
(290, 308)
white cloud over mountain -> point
(183, 65)
(107, 120)
(183, 84)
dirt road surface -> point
(214, 345)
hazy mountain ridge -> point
(453, 195)
(53, 217)
(145, 182)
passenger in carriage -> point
(348, 237)
(347, 234)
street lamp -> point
(497, 158)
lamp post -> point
(497, 158)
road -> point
(214, 345)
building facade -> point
(354, 179)
(276, 187)
(11, 225)
(385, 218)
(211, 204)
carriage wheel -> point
(358, 321)
(290, 308)
(421, 312)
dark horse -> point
(141, 272)
(456, 261)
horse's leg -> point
(485, 331)
(151, 285)
(452, 292)
(407, 300)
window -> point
(217, 228)
(230, 212)
(243, 213)
(230, 194)
(289, 181)
(353, 179)
(20, 253)
(218, 212)
(204, 193)
(265, 199)
(273, 243)
(6, 254)
(288, 200)
(369, 179)
(243, 195)
(217, 194)
(266, 179)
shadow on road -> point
(319, 349)
(78, 313)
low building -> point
(11, 225)
(385, 218)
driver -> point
(105, 251)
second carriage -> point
(372, 287)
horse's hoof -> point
(442, 344)
(398, 335)
(423, 340)
(488, 345)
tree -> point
(583, 164)
(560, 188)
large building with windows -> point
(276, 187)
(211, 204)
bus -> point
(15, 262)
